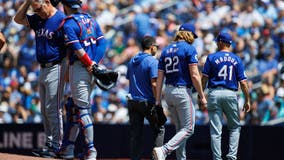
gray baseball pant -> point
(51, 89)
(225, 101)
(183, 114)
(81, 83)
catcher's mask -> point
(109, 83)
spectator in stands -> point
(131, 50)
(265, 102)
(5, 117)
(27, 54)
(19, 115)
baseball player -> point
(224, 71)
(85, 47)
(178, 64)
(50, 55)
(142, 73)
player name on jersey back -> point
(226, 58)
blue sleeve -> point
(206, 68)
(127, 72)
(192, 57)
(240, 71)
(101, 49)
(70, 37)
(154, 69)
(101, 43)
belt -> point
(179, 86)
(144, 102)
(45, 65)
(222, 88)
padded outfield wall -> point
(112, 141)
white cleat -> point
(158, 153)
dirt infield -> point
(7, 156)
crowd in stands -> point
(257, 27)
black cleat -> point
(46, 152)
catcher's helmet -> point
(72, 3)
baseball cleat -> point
(91, 155)
(44, 152)
(158, 153)
(67, 152)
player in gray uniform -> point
(50, 53)
(86, 46)
(178, 63)
(224, 71)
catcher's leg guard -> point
(72, 125)
(72, 129)
(87, 127)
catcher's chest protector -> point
(87, 35)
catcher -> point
(86, 47)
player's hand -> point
(246, 107)
(90, 68)
(158, 103)
(202, 102)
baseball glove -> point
(2, 40)
(157, 115)
(105, 78)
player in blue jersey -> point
(142, 74)
(178, 64)
(50, 53)
(224, 72)
(85, 46)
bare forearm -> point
(154, 86)
(159, 86)
(204, 80)
(197, 85)
(196, 80)
(245, 89)
(20, 16)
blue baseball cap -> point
(224, 37)
(74, 4)
(188, 27)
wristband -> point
(85, 59)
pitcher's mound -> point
(9, 156)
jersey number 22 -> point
(171, 64)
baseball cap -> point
(74, 4)
(224, 37)
(188, 27)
